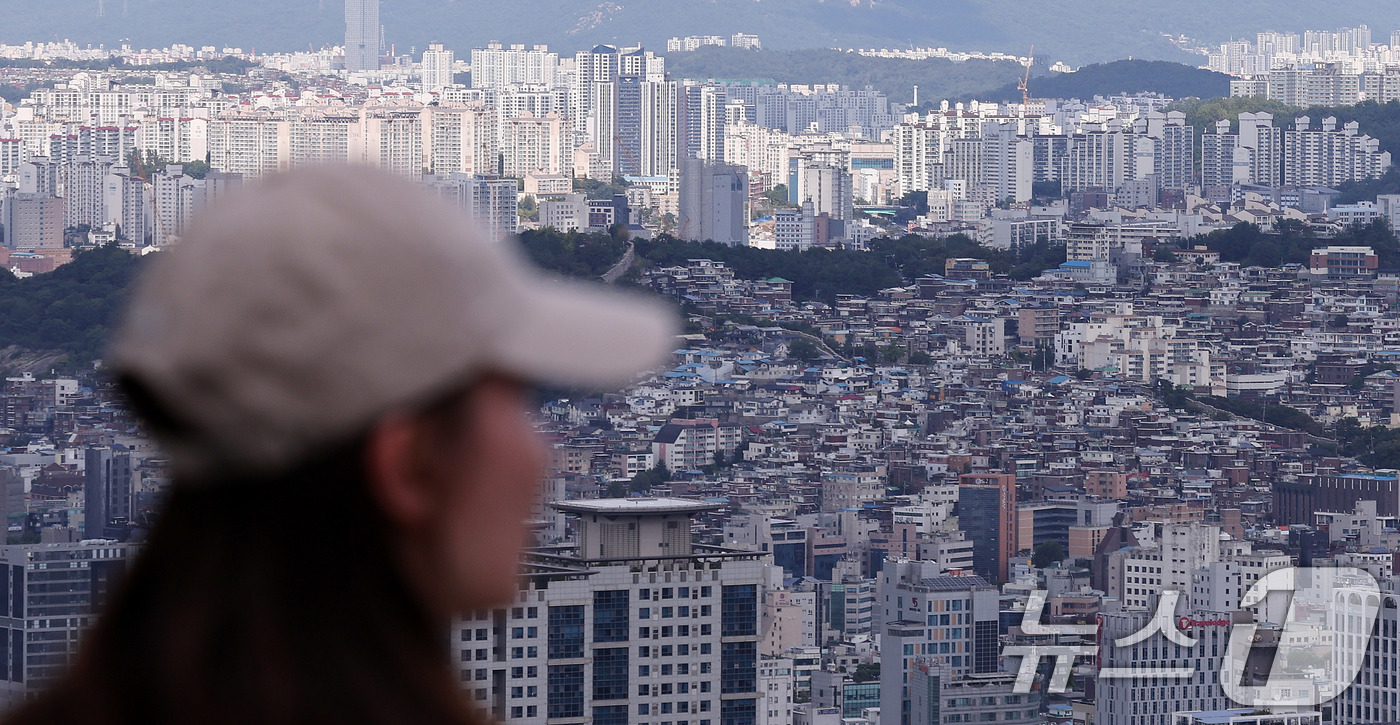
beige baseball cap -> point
(298, 310)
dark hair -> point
(271, 602)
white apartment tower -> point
(437, 67)
(252, 144)
(497, 67)
(1328, 155)
(464, 140)
(1007, 159)
(531, 145)
(1251, 156)
(1262, 154)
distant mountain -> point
(936, 78)
(1123, 76)
(1078, 32)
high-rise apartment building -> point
(489, 200)
(463, 140)
(531, 145)
(1174, 153)
(1007, 160)
(176, 139)
(714, 202)
(702, 121)
(437, 67)
(636, 623)
(83, 190)
(393, 141)
(362, 49)
(251, 144)
(600, 67)
(1328, 155)
(498, 67)
(126, 204)
(176, 197)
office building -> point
(1150, 699)
(1372, 697)
(938, 697)
(50, 594)
(987, 513)
(362, 35)
(930, 618)
(1297, 502)
(568, 213)
(702, 121)
(107, 493)
(1340, 262)
(633, 623)
(33, 221)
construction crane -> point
(143, 173)
(631, 157)
(1024, 85)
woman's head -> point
(456, 482)
(336, 304)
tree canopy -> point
(821, 274)
(936, 78)
(70, 310)
(572, 253)
(1173, 80)
(1048, 554)
(1293, 242)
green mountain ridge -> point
(1081, 32)
(1173, 80)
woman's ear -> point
(399, 478)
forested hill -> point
(1173, 80)
(896, 78)
(66, 315)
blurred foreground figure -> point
(336, 365)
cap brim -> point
(576, 335)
